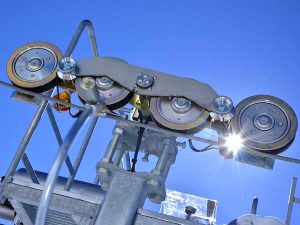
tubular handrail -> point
(60, 158)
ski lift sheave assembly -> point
(165, 107)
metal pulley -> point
(34, 66)
(266, 123)
(67, 67)
(91, 90)
(179, 114)
(223, 109)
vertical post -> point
(24, 143)
(162, 160)
(127, 160)
(53, 174)
(166, 158)
(291, 201)
(81, 153)
(110, 151)
(125, 195)
(113, 145)
(119, 154)
(254, 206)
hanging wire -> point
(207, 148)
(139, 140)
(76, 115)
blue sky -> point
(241, 48)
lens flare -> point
(234, 143)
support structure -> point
(45, 198)
(292, 199)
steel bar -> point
(278, 157)
(162, 160)
(6, 213)
(81, 153)
(254, 206)
(97, 179)
(291, 201)
(41, 96)
(151, 127)
(60, 158)
(127, 160)
(108, 156)
(119, 155)
(84, 24)
(22, 147)
(58, 137)
(30, 169)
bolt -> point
(146, 157)
(144, 80)
(190, 210)
(181, 144)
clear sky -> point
(241, 48)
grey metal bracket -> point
(163, 85)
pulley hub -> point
(181, 105)
(104, 83)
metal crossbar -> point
(148, 126)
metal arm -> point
(84, 24)
(60, 158)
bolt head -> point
(145, 80)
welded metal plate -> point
(178, 114)
(164, 85)
(33, 66)
(266, 123)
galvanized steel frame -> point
(65, 145)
